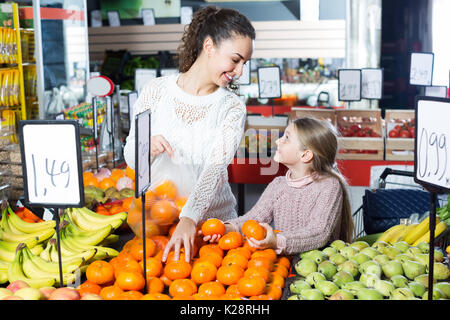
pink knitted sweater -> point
(307, 211)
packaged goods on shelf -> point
(9, 87)
(8, 45)
(84, 113)
(27, 43)
(400, 126)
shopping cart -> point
(383, 207)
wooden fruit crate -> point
(398, 148)
(322, 114)
(360, 148)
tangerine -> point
(229, 274)
(251, 286)
(166, 190)
(163, 212)
(130, 281)
(230, 240)
(107, 183)
(203, 271)
(179, 269)
(252, 229)
(213, 226)
(211, 288)
(111, 292)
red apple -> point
(47, 291)
(65, 293)
(16, 285)
(91, 296)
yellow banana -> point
(15, 272)
(28, 227)
(387, 235)
(40, 236)
(82, 222)
(419, 230)
(99, 220)
(440, 227)
(94, 237)
(3, 276)
(400, 236)
(102, 252)
(69, 265)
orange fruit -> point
(230, 240)
(211, 288)
(284, 261)
(203, 271)
(166, 190)
(155, 285)
(131, 266)
(242, 251)
(131, 295)
(261, 262)
(235, 258)
(252, 229)
(91, 181)
(111, 292)
(130, 281)
(212, 247)
(137, 249)
(267, 253)
(213, 226)
(153, 265)
(233, 289)
(229, 274)
(257, 272)
(100, 272)
(116, 174)
(160, 241)
(130, 173)
(126, 203)
(155, 296)
(212, 257)
(277, 280)
(177, 269)
(261, 297)
(163, 212)
(274, 292)
(251, 286)
(281, 270)
(107, 183)
(182, 287)
(89, 287)
(179, 203)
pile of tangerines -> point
(229, 269)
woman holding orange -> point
(197, 121)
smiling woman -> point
(197, 122)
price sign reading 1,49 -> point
(51, 162)
(432, 157)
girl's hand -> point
(158, 145)
(184, 234)
(270, 241)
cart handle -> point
(389, 171)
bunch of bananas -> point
(13, 232)
(413, 234)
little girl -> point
(310, 205)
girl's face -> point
(227, 60)
(288, 147)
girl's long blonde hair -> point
(320, 137)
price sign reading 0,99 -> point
(51, 163)
(432, 150)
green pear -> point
(444, 287)
(424, 247)
(381, 259)
(369, 279)
(353, 286)
(305, 267)
(317, 256)
(401, 245)
(361, 258)
(391, 252)
(29, 294)
(402, 257)
(342, 294)
(329, 251)
(438, 255)
(417, 288)
(359, 244)
(374, 269)
(337, 258)
(297, 286)
(392, 268)
(412, 269)
(440, 271)
(314, 277)
(399, 281)
(369, 294)
(412, 251)
(306, 254)
(348, 252)
(437, 294)
(384, 287)
(423, 279)
(350, 266)
(402, 294)
(363, 266)
(371, 252)
(380, 245)
(338, 244)
(342, 277)
(295, 297)
(312, 294)
(327, 268)
(326, 287)
(423, 258)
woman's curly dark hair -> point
(219, 24)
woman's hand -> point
(270, 241)
(215, 237)
(184, 234)
(158, 145)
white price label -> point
(436, 91)
(141, 77)
(148, 17)
(269, 82)
(349, 88)
(114, 18)
(372, 83)
(421, 69)
(142, 152)
(432, 158)
(51, 163)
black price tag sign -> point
(51, 163)
(142, 152)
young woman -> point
(310, 205)
(197, 121)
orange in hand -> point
(252, 229)
(213, 226)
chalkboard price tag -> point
(432, 149)
(51, 163)
(421, 69)
(372, 84)
(269, 82)
(142, 152)
(349, 87)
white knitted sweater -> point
(205, 132)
